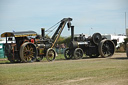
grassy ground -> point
(88, 71)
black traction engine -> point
(93, 46)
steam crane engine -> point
(28, 46)
(93, 46)
(45, 45)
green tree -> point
(60, 40)
(67, 40)
(64, 40)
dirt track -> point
(115, 56)
(119, 55)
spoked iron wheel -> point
(28, 52)
(78, 53)
(51, 54)
(67, 54)
(106, 48)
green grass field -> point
(88, 71)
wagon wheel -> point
(51, 54)
(67, 54)
(28, 52)
(78, 53)
(106, 48)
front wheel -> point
(51, 54)
(67, 54)
(78, 53)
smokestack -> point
(72, 33)
(43, 32)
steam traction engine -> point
(29, 47)
(93, 46)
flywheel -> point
(96, 37)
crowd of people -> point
(60, 48)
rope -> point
(52, 26)
(50, 31)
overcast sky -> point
(89, 16)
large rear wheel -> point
(28, 52)
(106, 48)
(8, 53)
